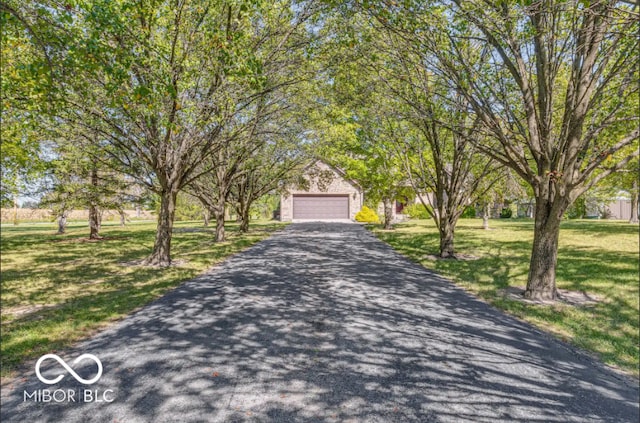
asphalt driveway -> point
(324, 323)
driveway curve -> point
(324, 323)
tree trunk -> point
(446, 239)
(123, 217)
(62, 223)
(243, 212)
(634, 203)
(485, 216)
(220, 236)
(388, 213)
(161, 255)
(206, 214)
(15, 210)
(219, 212)
(94, 222)
(94, 213)
(541, 284)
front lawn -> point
(58, 289)
(597, 257)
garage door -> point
(321, 207)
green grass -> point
(58, 289)
(597, 257)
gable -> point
(320, 177)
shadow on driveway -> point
(324, 323)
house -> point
(618, 208)
(323, 193)
(398, 213)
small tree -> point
(80, 180)
(272, 167)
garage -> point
(322, 192)
(320, 207)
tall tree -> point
(369, 156)
(79, 178)
(571, 70)
(25, 92)
(214, 186)
(279, 39)
(358, 125)
(438, 138)
(161, 82)
(554, 84)
(444, 164)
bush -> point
(367, 215)
(506, 213)
(416, 211)
(469, 213)
(578, 209)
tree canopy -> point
(224, 97)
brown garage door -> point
(320, 206)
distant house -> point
(617, 208)
(323, 193)
(398, 213)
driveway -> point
(324, 323)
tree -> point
(25, 91)
(438, 144)
(445, 166)
(369, 158)
(554, 84)
(213, 187)
(362, 141)
(358, 126)
(279, 39)
(269, 169)
(81, 180)
(161, 82)
(411, 126)
(635, 198)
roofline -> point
(337, 170)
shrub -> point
(578, 209)
(506, 213)
(367, 215)
(469, 213)
(416, 211)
